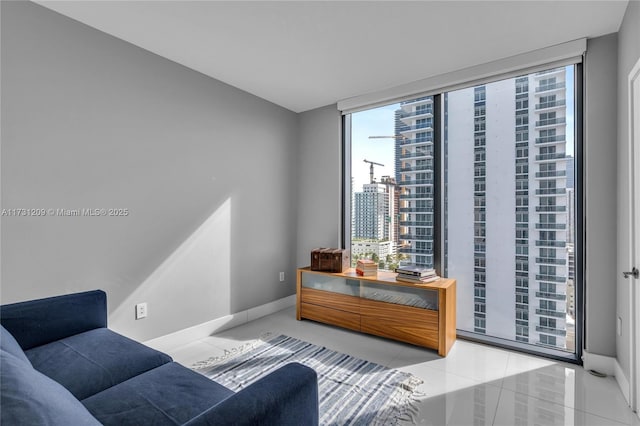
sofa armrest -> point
(37, 322)
(287, 396)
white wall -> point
(206, 171)
(628, 54)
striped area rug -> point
(351, 391)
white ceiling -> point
(303, 54)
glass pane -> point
(400, 295)
(509, 207)
(331, 283)
(392, 184)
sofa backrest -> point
(9, 344)
(38, 322)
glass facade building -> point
(508, 211)
(414, 138)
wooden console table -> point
(421, 314)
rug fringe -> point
(411, 408)
(405, 409)
(232, 353)
(397, 406)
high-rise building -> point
(551, 260)
(507, 205)
(479, 209)
(414, 176)
(570, 172)
(371, 213)
(393, 189)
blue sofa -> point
(61, 365)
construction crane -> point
(371, 163)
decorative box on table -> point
(330, 260)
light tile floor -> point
(474, 385)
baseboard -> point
(610, 366)
(623, 383)
(600, 363)
(200, 331)
(271, 307)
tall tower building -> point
(479, 209)
(393, 218)
(549, 161)
(522, 213)
(414, 176)
(509, 212)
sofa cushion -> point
(167, 395)
(9, 344)
(93, 361)
(28, 397)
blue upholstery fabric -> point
(286, 397)
(93, 361)
(70, 352)
(9, 344)
(41, 321)
(28, 397)
(167, 395)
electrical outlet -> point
(281, 276)
(141, 310)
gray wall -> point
(206, 171)
(319, 181)
(628, 54)
(600, 165)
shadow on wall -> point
(191, 286)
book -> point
(415, 280)
(415, 270)
(366, 268)
(364, 273)
(416, 277)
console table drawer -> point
(413, 331)
(341, 302)
(326, 315)
(412, 325)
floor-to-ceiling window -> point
(480, 183)
(510, 208)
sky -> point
(373, 122)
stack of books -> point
(416, 274)
(366, 268)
